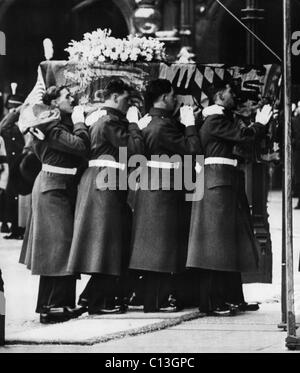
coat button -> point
(13, 153)
(13, 139)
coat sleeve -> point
(224, 129)
(9, 119)
(120, 136)
(182, 143)
(76, 143)
(3, 161)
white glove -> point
(94, 116)
(37, 133)
(187, 116)
(264, 115)
(133, 114)
(78, 114)
(143, 122)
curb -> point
(166, 323)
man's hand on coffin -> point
(133, 115)
(78, 115)
(37, 133)
(264, 115)
(187, 117)
(144, 121)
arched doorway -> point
(88, 16)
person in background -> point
(222, 243)
(4, 172)
(14, 143)
(46, 247)
(1, 106)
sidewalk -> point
(159, 332)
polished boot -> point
(52, 315)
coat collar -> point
(114, 111)
(66, 119)
(162, 113)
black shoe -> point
(53, 315)
(77, 311)
(172, 305)
(14, 236)
(226, 310)
(134, 301)
(83, 302)
(170, 308)
(46, 318)
(248, 306)
(220, 312)
(5, 228)
(108, 311)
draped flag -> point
(190, 81)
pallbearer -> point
(222, 242)
(103, 217)
(62, 146)
(159, 241)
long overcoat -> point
(103, 218)
(48, 236)
(161, 214)
(4, 172)
(221, 232)
(14, 143)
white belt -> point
(221, 160)
(59, 170)
(168, 165)
(106, 163)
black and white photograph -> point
(150, 179)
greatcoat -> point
(3, 177)
(14, 143)
(48, 236)
(103, 218)
(221, 232)
(161, 217)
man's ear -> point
(114, 97)
(54, 103)
(164, 97)
(221, 96)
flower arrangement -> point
(99, 47)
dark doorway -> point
(28, 22)
(98, 14)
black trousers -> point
(187, 291)
(56, 291)
(218, 288)
(101, 291)
(157, 289)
